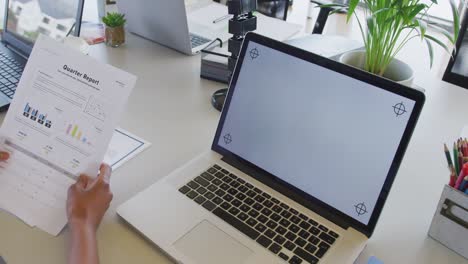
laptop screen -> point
(329, 135)
(53, 18)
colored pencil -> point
(455, 158)
(463, 184)
(447, 156)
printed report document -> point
(58, 126)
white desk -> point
(170, 107)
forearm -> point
(83, 246)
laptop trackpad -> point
(207, 244)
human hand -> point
(4, 155)
(89, 199)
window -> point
(61, 27)
(46, 20)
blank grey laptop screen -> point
(53, 18)
(329, 135)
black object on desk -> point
(457, 69)
(243, 21)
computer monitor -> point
(26, 19)
(457, 69)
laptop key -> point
(257, 206)
(192, 194)
(200, 199)
(323, 228)
(286, 214)
(266, 211)
(277, 209)
(266, 195)
(300, 242)
(333, 234)
(306, 256)
(251, 194)
(270, 233)
(304, 225)
(275, 217)
(228, 197)
(235, 184)
(311, 248)
(291, 236)
(312, 222)
(322, 249)
(253, 213)
(236, 223)
(244, 208)
(240, 196)
(209, 195)
(295, 219)
(264, 241)
(209, 205)
(243, 216)
(201, 181)
(217, 182)
(216, 166)
(243, 188)
(279, 239)
(184, 189)
(220, 193)
(260, 228)
(193, 185)
(225, 206)
(202, 190)
(262, 219)
(289, 245)
(295, 260)
(212, 188)
(327, 238)
(251, 222)
(234, 211)
(212, 170)
(314, 240)
(233, 191)
(236, 203)
(268, 204)
(217, 200)
(283, 256)
(281, 230)
(219, 175)
(249, 201)
(294, 228)
(224, 186)
(259, 198)
(314, 230)
(275, 248)
(272, 224)
(207, 176)
(304, 234)
(284, 222)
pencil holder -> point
(450, 223)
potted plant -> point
(115, 33)
(390, 24)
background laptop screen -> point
(29, 18)
(329, 135)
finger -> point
(105, 172)
(82, 181)
(4, 155)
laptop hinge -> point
(16, 51)
(276, 185)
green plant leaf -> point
(431, 52)
(422, 27)
(456, 20)
(352, 6)
(444, 32)
(438, 42)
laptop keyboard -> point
(10, 73)
(197, 40)
(282, 230)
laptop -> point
(165, 22)
(24, 20)
(301, 165)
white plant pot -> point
(397, 70)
